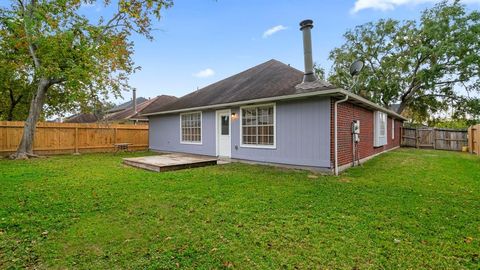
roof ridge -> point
(263, 65)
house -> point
(275, 114)
(127, 104)
(82, 118)
(130, 111)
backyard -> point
(405, 209)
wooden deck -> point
(170, 162)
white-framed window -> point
(380, 128)
(393, 129)
(191, 128)
(257, 126)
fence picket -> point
(434, 138)
(61, 138)
(473, 139)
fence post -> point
(114, 136)
(76, 141)
(416, 138)
(469, 140)
(434, 138)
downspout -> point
(335, 133)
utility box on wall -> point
(356, 130)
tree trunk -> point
(13, 104)
(10, 112)
(25, 149)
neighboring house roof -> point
(129, 113)
(82, 118)
(157, 102)
(267, 82)
(126, 105)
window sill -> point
(258, 146)
(194, 143)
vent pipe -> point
(134, 100)
(305, 27)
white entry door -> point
(224, 146)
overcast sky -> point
(200, 42)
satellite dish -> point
(356, 67)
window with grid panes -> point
(191, 129)
(258, 125)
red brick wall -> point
(347, 112)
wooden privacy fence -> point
(435, 138)
(474, 139)
(60, 138)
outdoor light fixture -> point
(234, 115)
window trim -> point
(260, 146)
(379, 140)
(201, 129)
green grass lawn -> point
(405, 209)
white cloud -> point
(87, 5)
(273, 30)
(208, 72)
(384, 5)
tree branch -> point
(449, 82)
(413, 86)
(435, 95)
(56, 81)
(20, 2)
(31, 47)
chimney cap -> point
(306, 23)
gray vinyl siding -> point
(164, 134)
(302, 135)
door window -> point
(225, 124)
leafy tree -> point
(14, 93)
(451, 123)
(319, 71)
(68, 58)
(15, 89)
(97, 107)
(425, 66)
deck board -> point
(170, 162)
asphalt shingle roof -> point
(82, 118)
(270, 79)
(126, 105)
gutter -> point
(335, 131)
(328, 92)
(250, 101)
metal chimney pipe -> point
(305, 27)
(134, 100)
